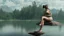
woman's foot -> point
(39, 31)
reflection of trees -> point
(3, 23)
(28, 25)
(23, 24)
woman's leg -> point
(42, 22)
(40, 30)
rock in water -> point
(35, 33)
(49, 23)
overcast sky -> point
(18, 4)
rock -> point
(35, 33)
(53, 23)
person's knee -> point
(51, 18)
(43, 17)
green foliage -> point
(60, 15)
(28, 13)
(31, 12)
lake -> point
(21, 28)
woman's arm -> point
(48, 12)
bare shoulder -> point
(48, 10)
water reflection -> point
(21, 28)
(16, 27)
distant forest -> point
(31, 12)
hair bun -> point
(45, 6)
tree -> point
(60, 15)
(16, 14)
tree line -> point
(28, 13)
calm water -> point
(21, 28)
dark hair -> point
(45, 6)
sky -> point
(18, 4)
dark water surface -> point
(21, 28)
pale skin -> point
(45, 17)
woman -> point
(47, 17)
